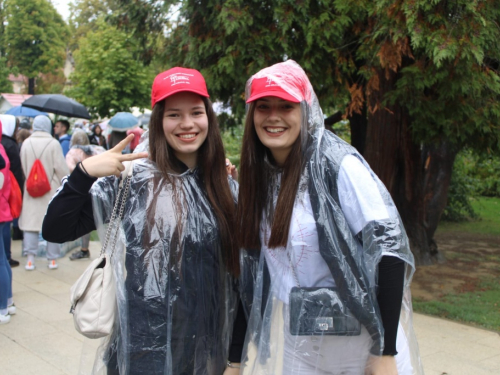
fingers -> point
(130, 157)
(124, 143)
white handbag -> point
(93, 295)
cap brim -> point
(277, 94)
(201, 93)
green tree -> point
(84, 16)
(35, 38)
(416, 79)
(107, 78)
(5, 84)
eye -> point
(262, 106)
(199, 113)
(172, 115)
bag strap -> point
(38, 158)
(117, 214)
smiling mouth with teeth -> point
(187, 136)
(275, 130)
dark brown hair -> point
(254, 189)
(212, 168)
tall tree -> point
(107, 77)
(417, 79)
(5, 84)
(35, 38)
(84, 16)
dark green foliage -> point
(5, 84)
(35, 37)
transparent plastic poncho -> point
(276, 340)
(176, 300)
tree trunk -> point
(417, 176)
(359, 125)
(31, 86)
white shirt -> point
(361, 203)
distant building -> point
(19, 83)
(7, 101)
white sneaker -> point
(4, 319)
(52, 264)
(30, 265)
(11, 309)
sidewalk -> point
(40, 339)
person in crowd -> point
(116, 137)
(137, 132)
(97, 138)
(61, 130)
(40, 145)
(79, 151)
(7, 307)
(9, 129)
(21, 136)
(177, 259)
(326, 261)
(25, 123)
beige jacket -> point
(55, 166)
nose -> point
(274, 114)
(187, 122)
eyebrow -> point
(177, 109)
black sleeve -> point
(70, 215)
(238, 338)
(2, 162)
(15, 163)
(391, 272)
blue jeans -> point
(7, 238)
(5, 273)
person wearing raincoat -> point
(176, 260)
(326, 265)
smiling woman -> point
(177, 259)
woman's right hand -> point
(111, 162)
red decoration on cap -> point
(266, 86)
(177, 80)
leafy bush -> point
(473, 175)
(232, 139)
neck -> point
(190, 160)
(280, 156)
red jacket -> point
(5, 215)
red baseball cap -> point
(266, 86)
(177, 80)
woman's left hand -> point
(384, 365)
(232, 371)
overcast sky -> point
(62, 7)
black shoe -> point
(17, 234)
(13, 263)
(80, 254)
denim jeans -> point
(7, 238)
(5, 273)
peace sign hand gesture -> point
(111, 162)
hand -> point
(232, 370)
(111, 162)
(231, 170)
(384, 365)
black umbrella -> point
(58, 104)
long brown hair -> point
(254, 189)
(212, 168)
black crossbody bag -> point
(319, 311)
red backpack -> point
(37, 183)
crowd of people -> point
(298, 265)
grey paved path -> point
(41, 338)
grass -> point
(480, 307)
(489, 223)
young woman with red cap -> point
(175, 275)
(327, 266)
